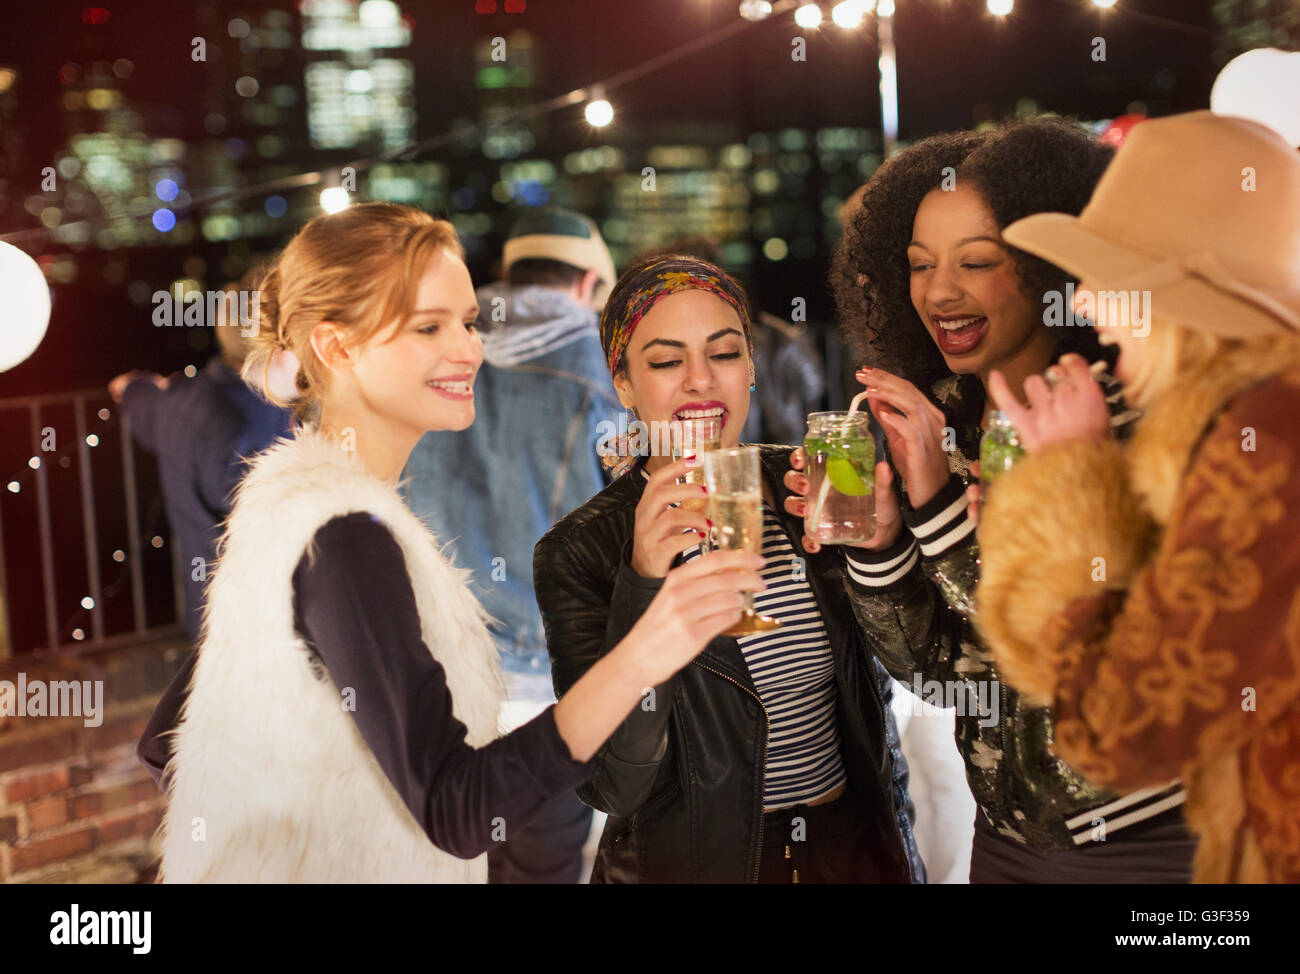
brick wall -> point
(75, 803)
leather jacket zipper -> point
(889, 765)
(650, 806)
(758, 857)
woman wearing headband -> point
(771, 758)
(1150, 591)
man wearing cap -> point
(491, 491)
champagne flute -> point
(691, 439)
(735, 507)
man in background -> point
(201, 428)
(491, 491)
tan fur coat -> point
(1150, 593)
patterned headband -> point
(636, 295)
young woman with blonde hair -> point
(341, 724)
(1150, 591)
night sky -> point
(958, 65)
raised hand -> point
(1072, 406)
(914, 426)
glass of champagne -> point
(691, 439)
(735, 508)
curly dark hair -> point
(1021, 167)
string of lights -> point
(73, 627)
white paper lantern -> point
(1264, 86)
(26, 302)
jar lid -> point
(840, 420)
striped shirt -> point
(794, 673)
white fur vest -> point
(271, 780)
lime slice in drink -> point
(845, 478)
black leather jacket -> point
(682, 778)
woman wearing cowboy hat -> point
(1150, 593)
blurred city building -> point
(1243, 25)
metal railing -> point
(56, 642)
(91, 518)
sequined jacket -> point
(1185, 660)
(916, 600)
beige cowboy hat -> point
(1200, 210)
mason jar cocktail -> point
(840, 507)
(1000, 447)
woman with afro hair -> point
(935, 300)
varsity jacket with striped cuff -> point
(935, 531)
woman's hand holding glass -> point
(1067, 404)
(663, 531)
(697, 602)
(889, 519)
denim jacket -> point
(490, 492)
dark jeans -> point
(1158, 851)
(820, 844)
(548, 849)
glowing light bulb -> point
(599, 113)
(848, 14)
(334, 199)
(808, 16)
